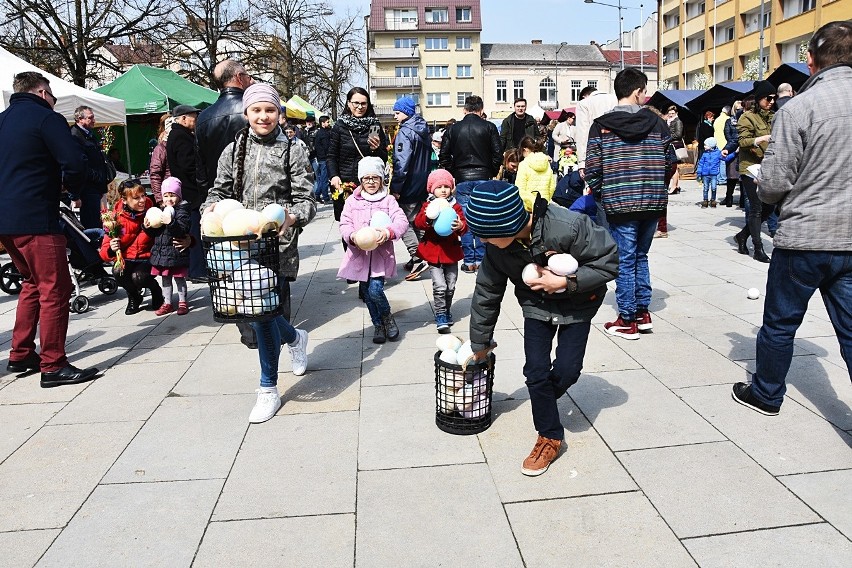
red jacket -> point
(135, 242)
(434, 248)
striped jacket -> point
(626, 162)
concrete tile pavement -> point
(155, 463)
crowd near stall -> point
(557, 206)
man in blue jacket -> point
(411, 153)
(37, 156)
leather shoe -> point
(30, 364)
(67, 375)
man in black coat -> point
(181, 155)
(37, 157)
(99, 171)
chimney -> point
(536, 42)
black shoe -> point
(469, 268)
(742, 393)
(379, 334)
(30, 364)
(760, 255)
(409, 265)
(67, 375)
(772, 234)
(742, 243)
(391, 329)
(134, 304)
(420, 266)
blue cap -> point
(405, 105)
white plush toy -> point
(435, 207)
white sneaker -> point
(268, 403)
(299, 353)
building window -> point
(463, 43)
(436, 44)
(576, 87)
(437, 71)
(518, 91)
(501, 91)
(405, 42)
(437, 99)
(547, 90)
(593, 83)
(415, 96)
(463, 15)
(671, 20)
(405, 71)
(437, 15)
(461, 96)
(464, 71)
(407, 16)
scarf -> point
(359, 124)
(378, 196)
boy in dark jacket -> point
(514, 238)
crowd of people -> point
(593, 184)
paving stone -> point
(198, 320)
(235, 370)
(24, 548)
(726, 490)
(49, 477)
(386, 412)
(824, 347)
(337, 353)
(327, 541)
(383, 365)
(619, 405)
(827, 494)
(788, 547)
(20, 422)
(203, 434)
(101, 338)
(432, 516)
(334, 390)
(128, 392)
(139, 524)
(160, 354)
(313, 462)
(639, 538)
(179, 340)
(584, 467)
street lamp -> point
(620, 26)
(413, 64)
(556, 61)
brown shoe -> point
(545, 451)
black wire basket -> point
(463, 398)
(243, 274)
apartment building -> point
(424, 49)
(718, 37)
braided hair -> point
(241, 143)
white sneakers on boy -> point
(268, 403)
(299, 353)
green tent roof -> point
(147, 90)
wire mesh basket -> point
(463, 397)
(243, 277)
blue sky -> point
(552, 21)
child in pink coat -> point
(370, 205)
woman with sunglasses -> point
(357, 134)
(754, 128)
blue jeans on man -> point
(472, 247)
(321, 183)
(794, 276)
(633, 283)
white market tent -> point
(108, 110)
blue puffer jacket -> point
(37, 156)
(708, 165)
(412, 151)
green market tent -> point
(148, 92)
(297, 107)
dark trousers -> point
(197, 263)
(43, 301)
(548, 380)
(90, 210)
(758, 213)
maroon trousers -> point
(45, 293)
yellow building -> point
(718, 37)
(424, 49)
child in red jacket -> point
(442, 253)
(135, 246)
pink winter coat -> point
(359, 264)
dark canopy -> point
(663, 99)
(794, 73)
(719, 95)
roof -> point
(631, 58)
(148, 90)
(131, 55)
(525, 53)
(794, 73)
(663, 99)
(379, 24)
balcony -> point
(395, 54)
(395, 82)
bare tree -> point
(66, 36)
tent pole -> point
(127, 149)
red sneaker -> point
(643, 322)
(623, 329)
(164, 310)
(182, 309)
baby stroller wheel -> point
(10, 278)
(108, 285)
(79, 304)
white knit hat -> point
(371, 166)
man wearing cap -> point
(410, 172)
(552, 305)
(806, 171)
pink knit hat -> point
(261, 92)
(172, 185)
(439, 178)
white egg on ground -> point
(753, 293)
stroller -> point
(84, 262)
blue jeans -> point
(633, 283)
(710, 185)
(546, 380)
(474, 250)
(373, 291)
(269, 336)
(321, 184)
(793, 277)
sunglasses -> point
(52, 96)
(131, 183)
